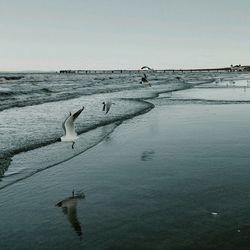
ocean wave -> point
(82, 144)
(11, 78)
(36, 137)
(39, 96)
(38, 121)
(33, 89)
(6, 93)
(49, 156)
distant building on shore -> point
(236, 68)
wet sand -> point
(174, 178)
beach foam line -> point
(21, 175)
(134, 97)
(27, 175)
(146, 106)
(47, 95)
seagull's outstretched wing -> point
(146, 67)
(76, 114)
(108, 106)
(63, 124)
(68, 125)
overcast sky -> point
(114, 34)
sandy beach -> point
(168, 179)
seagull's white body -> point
(214, 213)
(69, 128)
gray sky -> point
(114, 34)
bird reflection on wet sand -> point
(147, 155)
(69, 207)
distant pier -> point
(226, 69)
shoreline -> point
(6, 159)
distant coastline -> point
(236, 68)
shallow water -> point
(195, 169)
(216, 94)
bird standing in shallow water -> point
(144, 79)
(69, 128)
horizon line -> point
(116, 69)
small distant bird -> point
(69, 207)
(146, 67)
(69, 128)
(106, 106)
(214, 213)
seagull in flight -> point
(106, 106)
(69, 128)
(146, 67)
